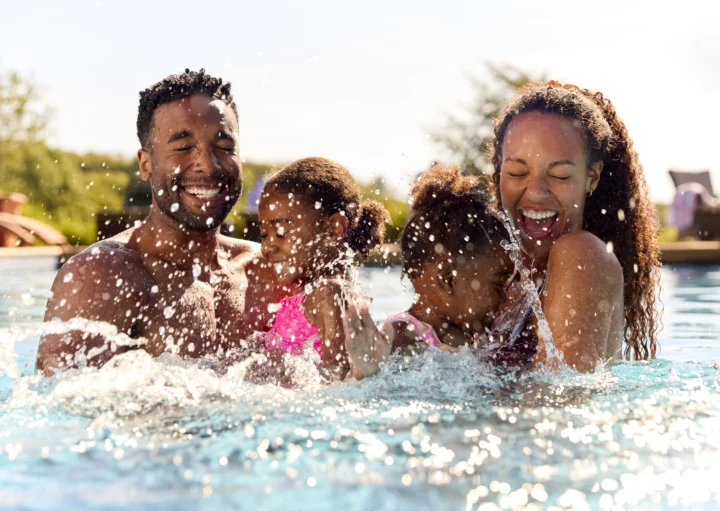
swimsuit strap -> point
(423, 330)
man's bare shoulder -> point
(108, 255)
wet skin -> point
(544, 180)
(302, 244)
(174, 282)
(458, 297)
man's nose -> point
(207, 161)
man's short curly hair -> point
(174, 87)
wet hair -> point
(449, 218)
(330, 187)
(174, 87)
(619, 210)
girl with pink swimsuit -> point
(314, 227)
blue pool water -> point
(439, 431)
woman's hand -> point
(366, 345)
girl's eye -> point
(561, 178)
(517, 173)
(227, 149)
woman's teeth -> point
(539, 215)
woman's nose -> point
(537, 188)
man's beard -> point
(171, 204)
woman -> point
(571, 183)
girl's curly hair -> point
(619, 211)
(449, 216)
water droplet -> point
(118, 282)
(68, 277)
(174, 207)
(168, 312)
(154, 289)
(318, 205)
(160, 193)
(196, 270)
(272, 207)
(209, 221)
(609, 247)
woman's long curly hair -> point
(619, 211)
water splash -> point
(553, 357)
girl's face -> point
(544, 179)
(468, 293)
(297, 239)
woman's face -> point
(544, 179)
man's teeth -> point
(539, 215)
(203, 193)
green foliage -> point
(667, 232)
(467, 137)
(60, 191)
(398, 209)
(23, 114)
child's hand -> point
(366, 345)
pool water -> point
(438, 431)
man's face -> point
(193, 162)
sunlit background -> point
(370, 83)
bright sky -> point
(363, 82)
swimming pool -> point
(439, 431)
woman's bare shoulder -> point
(583, 251)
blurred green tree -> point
(466, 137)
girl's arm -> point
(322, 308)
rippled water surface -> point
(439, 431)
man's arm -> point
(96, 285)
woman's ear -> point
(145, 164)
(446, 278)
(593, 176)
(339, 224)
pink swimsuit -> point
(423, 330)
(291, 329)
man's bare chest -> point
(193, 315)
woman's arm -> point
(583, 301)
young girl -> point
(314, 227)
(452, 254)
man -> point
(173, 283)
